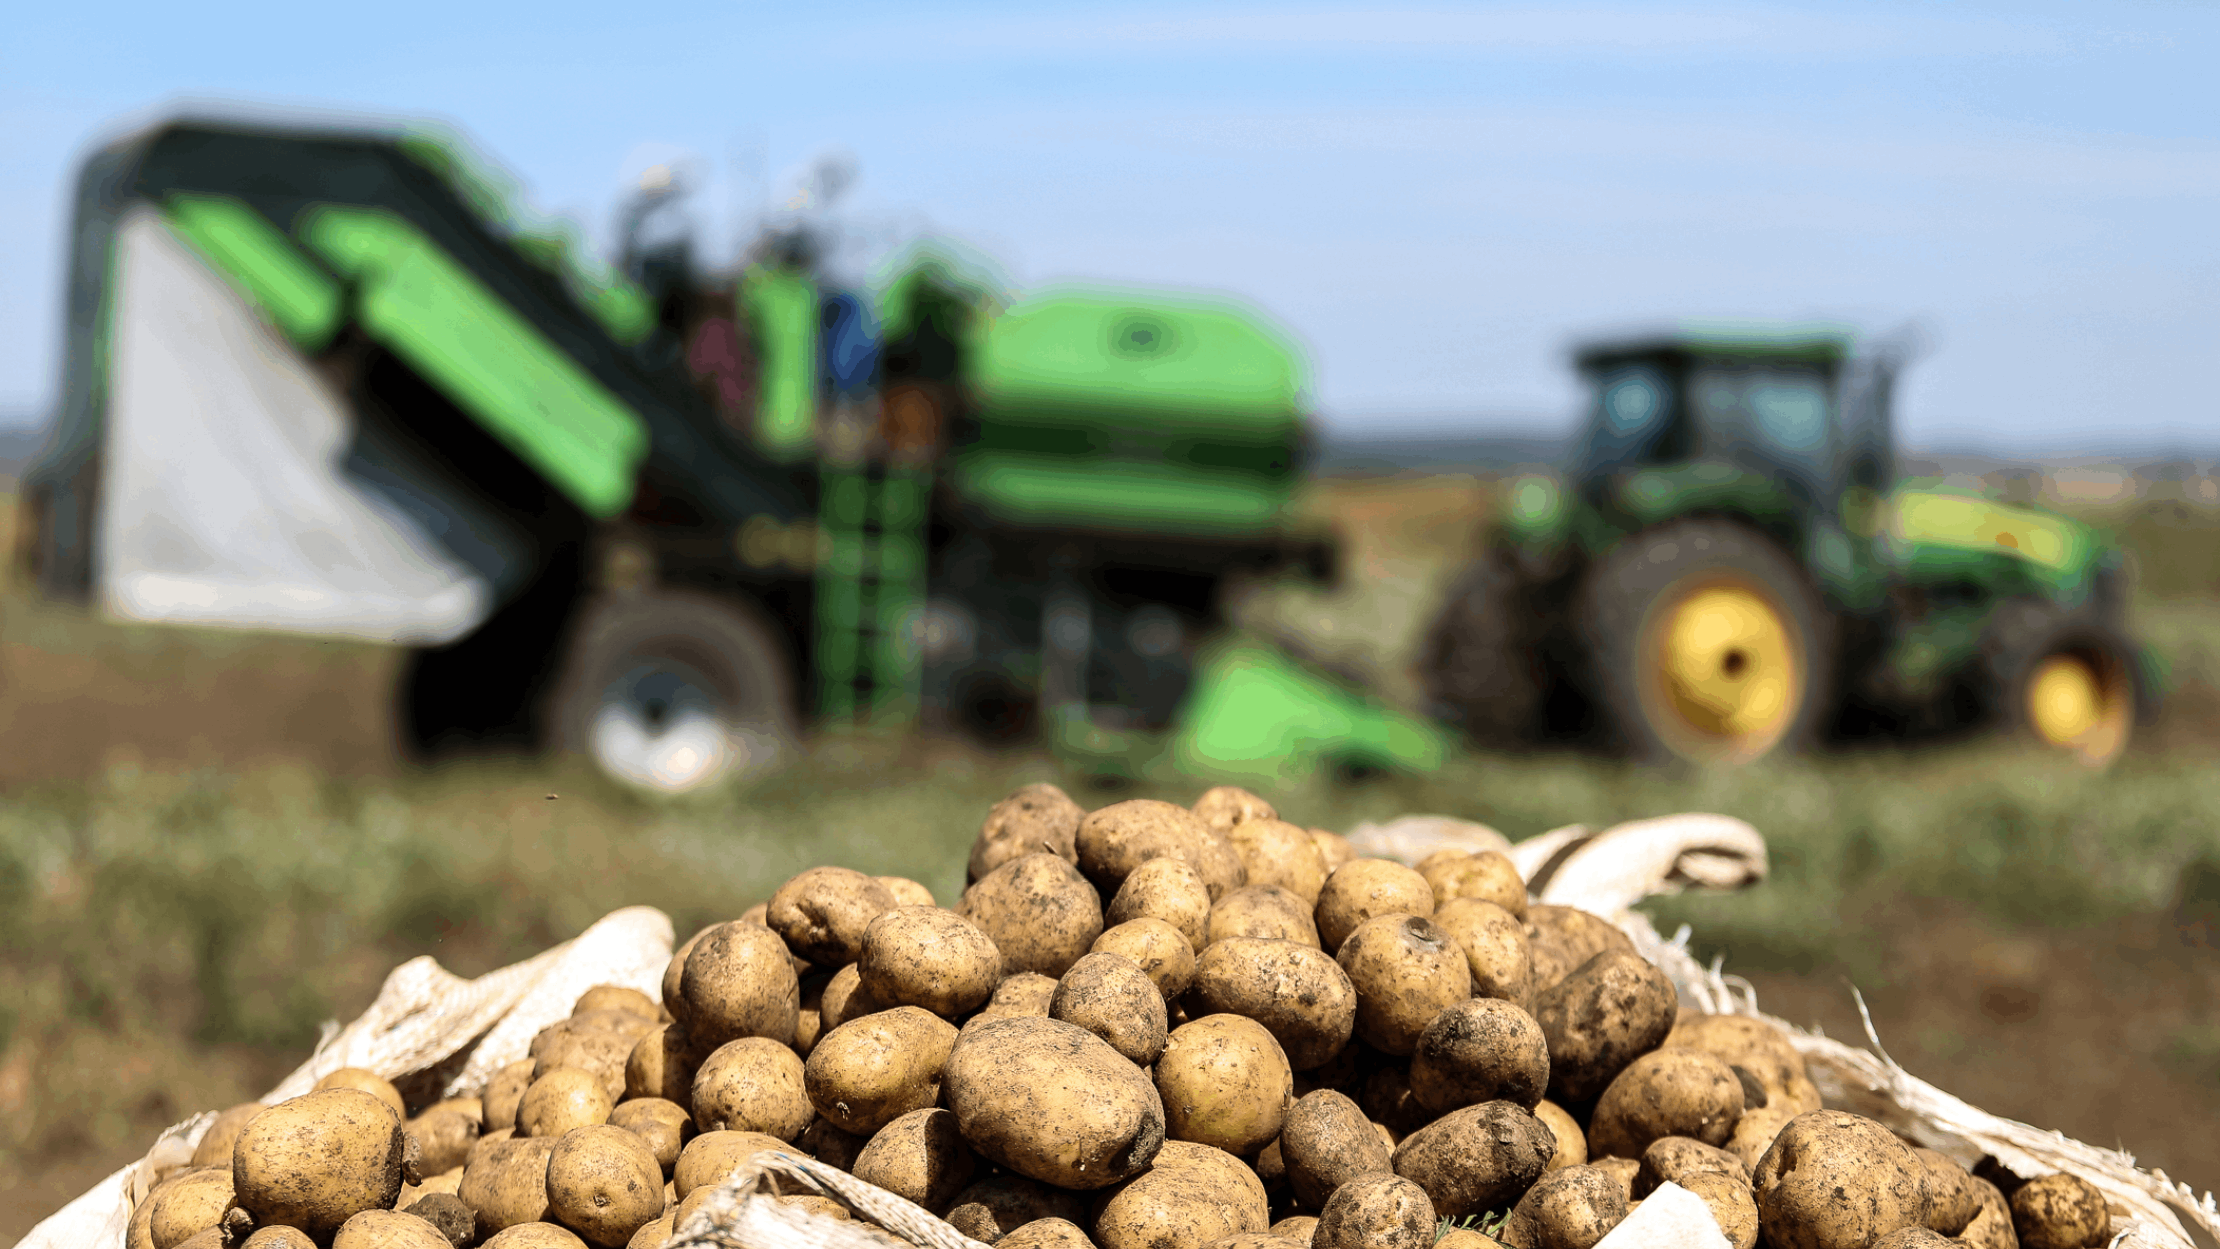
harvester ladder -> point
(871, 592)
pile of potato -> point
(1142, 1027)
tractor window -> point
(1634, 413)
(1782, 409)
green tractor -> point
(336, 382)
(1727, 567)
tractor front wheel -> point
(672, 691)
(1704, 642)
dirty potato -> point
(1405, 971)
(1572, 1143)
(1266, 911)
(867, 1073)
(822, 912)
(1666, 1092)
(388, 1229)
(1569, 1208)
(920, 1156)
(562, 1099)
(1167, 889)
(1225, 807)
(319, 1159)
(992, 1208)
(188, 1207)
(1479, 1050)
(1363, 889)
(604, 1184)
(711, 1156)
(1477, 1159)
(504, 1091)
(1281, 855)
(505, 1182)
(214, 1149)
(1192, 1196)
(1053, 1102)
(1484, 874)
(1376, 1212)
(1027, 993)
(1041, 914)
(1298, 992)
(368, 1082)
(1336, 849)
(1035, 819)
(1225, 1083)
(1561, 938)
(1161, 951)
(2060, 1211)
(1326, 1142)
(751, 1085)
(738, 982)
(1495, 946)
(925, 956)
(1110, 996)
(1115, 840)
(443, 1139)
(662, 1064)
(1609, 1011)
(1834, 1180)
(665, 1125)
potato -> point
(1157, 948)
(751, 1085)
(1666, 1092)
(214, 1149)
(992, 1208)
(1027, 993)
(1732, 1205)
(533, 1236)
(1913, 1238)
(1991, 1227)
(443, 1139)
(368, 1082)
(710, 1157)
(1755, 1046)
(1118, 838)
(1298, 992)
(1387, 1100)
(1039, 912)
(1570, 1208)
(388, 1229)
(1296, 1228)
(562, 1099)
(598, 1050)
(871, 1071)
(1609, 1011)
(603, 1183)
(195, 1203)
(674, 996)
(663, 1124)
(1047, 1234)
(505, 1183)
(278, 1236)
(1952, 1200)
(1495, 946)
(653, 1234)
(504, 1091)
(1755, 1130)
(1110, 996)
(1572, 1143)
(1833, 1180)
(1364, 889)
(1326, 1142)
(1673, 1159)
(1623, 1170)
(1405, 971)
(822, 912)
(1225, 1083)
(843, 1000)
(925, 956)
(1248, 1240)
(1485, 874)
(1278, 854)
(1481, 1050)
(662, 1064)
(1336, 849)
(1265, 911)
(1386, 1211)
(1477, 1159)
(1053, 1102)
(617, 997)
(1192, 1196)
(1466, 1238)
(737, 983)
(1169, 890)
(1035, 819)
(1223, 807)
(1561, 938)
(2060, 1211)
(447, 1214)
(907, 892)
(921, 1157)
(319, 1159)
(829, 1145)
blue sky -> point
(1436, 201)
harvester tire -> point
(1703, 641)
(671, 690)
(2060, 679)
(1479, 669)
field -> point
(206, 848)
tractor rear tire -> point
(1479, 669)
(2061, 680)
(1703, 641)
(671, 690)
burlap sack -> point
(435, 1031)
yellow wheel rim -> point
(1724, 676)
(2079, 703)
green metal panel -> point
(782, 307)
(1256, 713)
(1097, 351)
(302, 300)
(490, 361)
(1130, 495)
